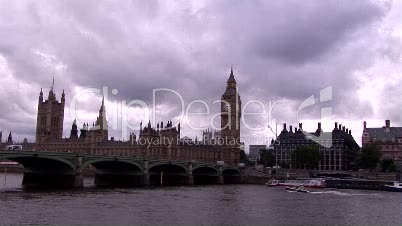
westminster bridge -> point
(63, 169)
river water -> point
(189, 205)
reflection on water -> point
(227, 204)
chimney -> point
(291, 128)
(343, 128)
(387, 123)
(364, 125)
(300, 126)
(295, 129)
(336, 125)
(340, 126)
(350, 132)
(284, 126)
(347, 130)
(319, 125)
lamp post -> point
(161, 178)
(276, 140)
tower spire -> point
(52, 83)
(231, 76)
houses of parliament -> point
(94, 139)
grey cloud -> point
(286, 49)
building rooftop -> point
(382, 132)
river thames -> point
(219, 204)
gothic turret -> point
(83, 131)
(63, 97)
(10, 139)
(99, 130)
(74, 130)
(41, 96)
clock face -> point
(225, 106)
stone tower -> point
(74, 130)
(49, 123)
(101, 123)
(99, 130)
(10, 139)
(231, 112)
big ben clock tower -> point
(231, 112)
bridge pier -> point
(190, 177)
(147, 180)
(78, 179)
(220, 176)
(190, 180)
(220, 179)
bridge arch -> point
(116, 172)
(205, 175)
(175, 165)
(168, 173)
(210, 168)
(37, 161)
(45, 171)
(231, 176)
(124, 163)
(231, 171)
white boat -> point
(297, 189)
(308, 183)
(14, 147)
(397, 187)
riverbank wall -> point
(356, 184)
(363, 175)
(365, 180)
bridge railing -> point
(137, 157)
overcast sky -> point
(280, 50)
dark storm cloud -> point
(280, 49)
(317, 28)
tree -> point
(267, 158)
(369, 156)
(306, 157)
(388, 165)
(244, 159)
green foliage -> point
(369, 157)
(244, 159)
(388, 165)
(267, 158)
(306, 157)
